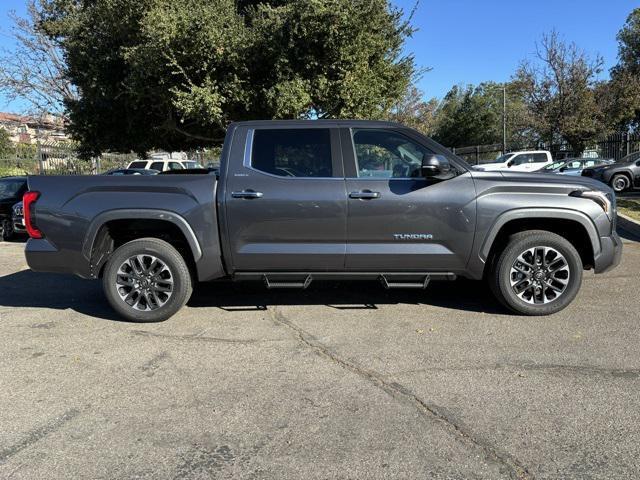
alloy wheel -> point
(540, 275)
(144, 282)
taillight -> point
(27, 202)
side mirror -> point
(435, 165)
(510, 163)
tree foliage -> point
(6, 145)
(173, 73)
(414, 111)
(473, 115)
(621, 96)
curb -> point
(630, 225)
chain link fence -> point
(61, 158)
(54, 158)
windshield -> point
(10, 188)
(630, 158)
(502, 158)
(554, 165)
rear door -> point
(538, 160)
(399, 221)
(285, 200)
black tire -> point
(171, 287)
(620, 182)
(556, 250)
(7, 230)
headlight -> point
(601, 198)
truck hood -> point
(560, 180)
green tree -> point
(473, 115)
(559, 90)
(414, 111)
(173, 73)
(6, 145)
(620, 98)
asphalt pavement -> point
(344, 381)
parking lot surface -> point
(338, 381)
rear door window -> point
(157, 166)
(539, 158)
(293, 152)
(175, 166)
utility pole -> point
(504, 119)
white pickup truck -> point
(527, 161)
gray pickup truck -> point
(297, 201)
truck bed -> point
(72, 211)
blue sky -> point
(467, 41)
(470, 41)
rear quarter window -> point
(138, 165)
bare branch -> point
(34, 71)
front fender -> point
(482, 246)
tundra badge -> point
(412, 236)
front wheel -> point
(146, 280)
(538, 273)
(620, 183)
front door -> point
(397, 220)
(285, 201)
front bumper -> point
(610, 253)
(18, 225)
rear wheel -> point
(620, 183)
(538, 273)
(146, 280)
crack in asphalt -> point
(37, 434)
(198, 337)
(577, 369)
(427, 409)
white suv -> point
(164, 164)
(528, 161)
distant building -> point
(26, 129)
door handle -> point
(365, 195)
(246, 194)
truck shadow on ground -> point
(27, 289)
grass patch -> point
(629, 207)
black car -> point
(11, 191)
(622, 175)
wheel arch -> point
(98, 243)
(570, 224)
(626, 173)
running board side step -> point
(271, 283)
(304, 279)
(391, 284)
